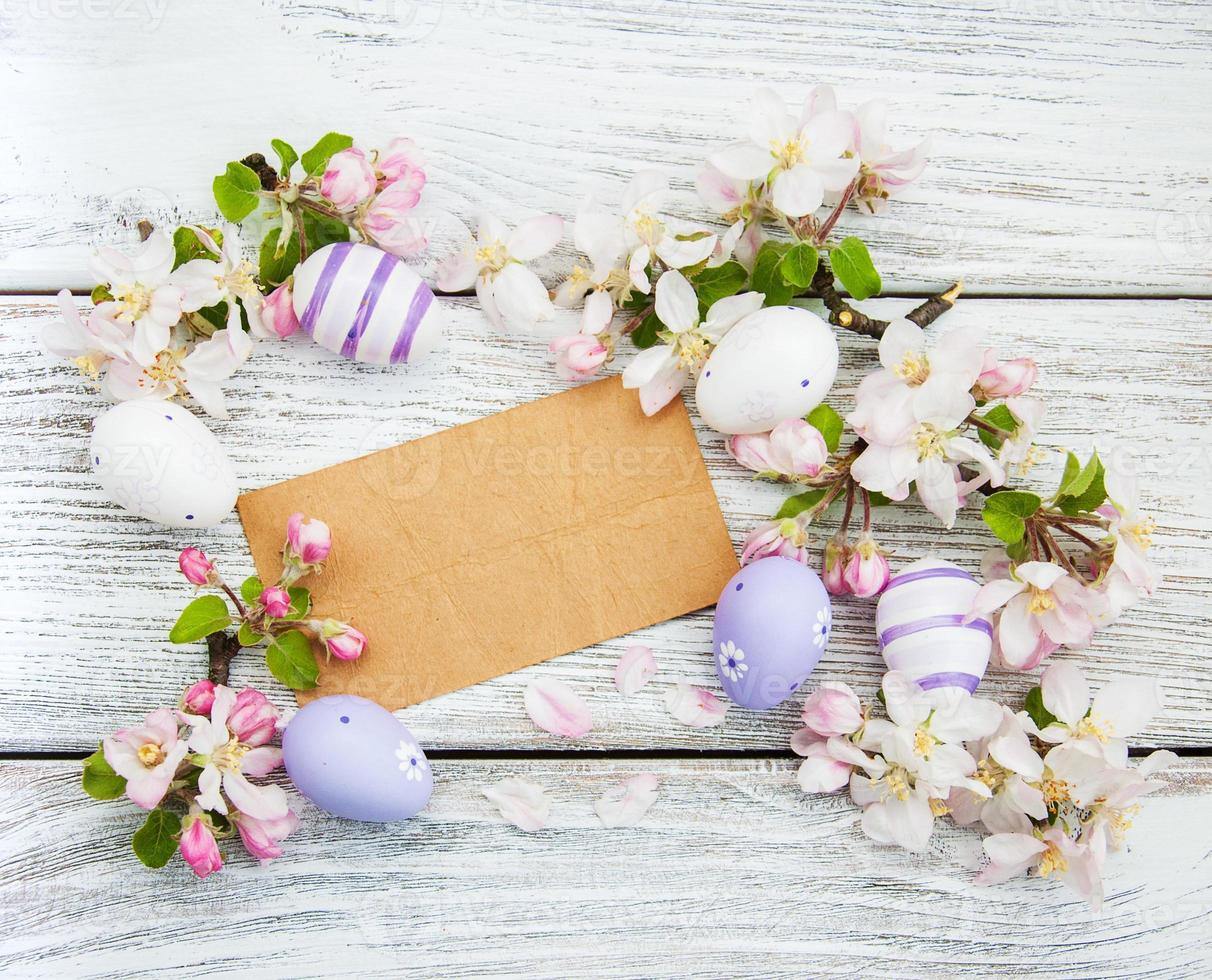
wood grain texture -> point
(1070, 136)
(733, 872)
(87, 593)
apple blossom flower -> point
(1002, 379)
(524, 804)
(1044, 608)
(832, 709)
(821, 771)
(253, 719)
(647, 236)
(340, 639)
(401, 162)
(147, 757)
(199, 698)
(198, 845)
(229, 278)
(278, 313)
(695, 706)
(801, 158)
(197, 568)
(226, 764)
(1012, 770)
(146, 295)
(262, 837)
(1018, 450)
(660, 371)
(598, 235)
(308, 541)
(1049, 852)
(866, 573)
(276, 601)
(581, 355)
(510, 295)
(895, 811)
(625, 805)
(557, 708)
(348, 179)
(393, 222)
(1131, 532)
(636, 667)
(833, 565)
(883, 172)
(92, 343)
(787, 537)
(793, 448)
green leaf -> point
(300, 602)
(205, 615)
(291, 661)
(316, 159)
(237, 191)
(1078, 479)
(768, 278)
(794, 506)
(1019, 551)
(828, 423)
(1006, 512)
(156, 841)
(645, 335)
(1034, 705)
(216, 316)
(187, 246)
(275, 269)
(287, 157)
(1093, 498)
(852, 265)
(251, 589)
(1000, 417)
(247, 637)
(799, 265)
(322, 230)
(718, 282)
(99, 779)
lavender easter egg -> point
(355, 759)
(771, 626)
(919, 623)
(361, 302)
(775, 364)
(156, 460)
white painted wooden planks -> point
(733, 872)
(87, 594)
(1070, 136)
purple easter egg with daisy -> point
(355, 759)
(772, 625)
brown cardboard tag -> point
(506, 541)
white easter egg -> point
(920, 626)
(156, 460)
(775, 364)
(361, 302)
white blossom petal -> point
(523, 804)
(695, 706)
(637, 666)
(557, 708)
(625, 805)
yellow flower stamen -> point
(492, 256)
(1094, 729)
(133, 301)
(897, 780)
(151, 755)
(1052, 860)
(1142, 531)
(1054, 791)
(929, 440)
(923, 742)
(789, 153)
(1041, 601)
(939, 807)
(914, 368)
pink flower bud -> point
(276, 601)
(262, 837)
(196, 567)
(867, 570)
(792, 448)
(752, 451)
(393, 224)
(578, 356)
(402, 162)
(348, 180)
(278, 311)
(787, 538)
(832, 709)
(1006, 378)
(253, 719)
(307, 541)
(837, 553)
(342, 640)
(199, 847)
(199, 699)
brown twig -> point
(222, 647)
(842, 314)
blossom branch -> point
(842, 314)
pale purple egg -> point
(771, 627)
(355, 759)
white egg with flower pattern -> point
(156, 460)
(363, 303)
(775, 364)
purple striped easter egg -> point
(919, 623)
(361, 302)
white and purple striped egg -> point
(363, 303)
(921, 630)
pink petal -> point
(557, 708)
(523, 804)
(625, 805)
(636, 668)
(695, 706)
